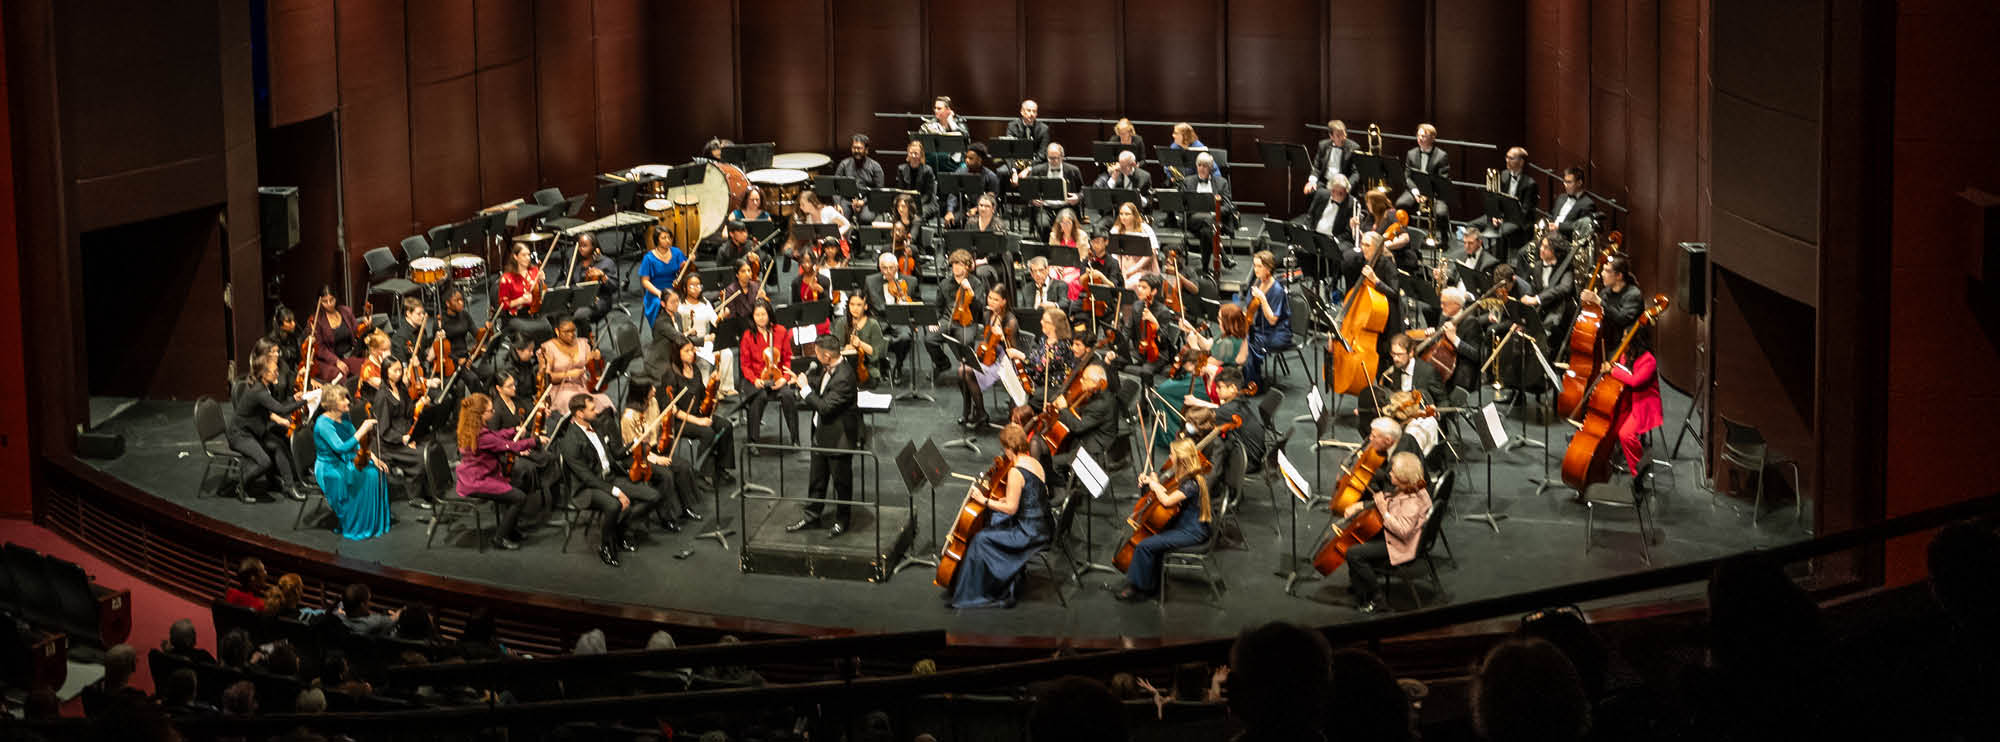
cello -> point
(972, 517)
(1149, 517)
(1582, 341)
(1587, 460)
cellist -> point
(1189, 526)
(1092, 424)
(1639, 409)
(1620, 297)
(1404, 509)
(1376, 266)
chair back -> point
(1743, 445)
(208, 422)
(381, 263)
(416, 246)
(33, 595)
(548, 196)
(437, 470)
(625, 340)
(1301, 324)
(76, 604)
(1434, 523)
(305, 451)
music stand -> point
(1371, 168)
(1185, 203)
(1042, 189)
(1107, 200)
(872, 236)
(807, 234)
(911, 466)
(1492, 437)
(1504, 207)
(1013, 149)
(1436, 188)
(1288, 156)
(1095, 484)
(755, 156)
(563, 301)
(961, 353)
(883, 200)
(612, 197)
(969, 185)
(852, 280)
(913, 317)
(1106, 152)
(836, 186)
(942, 144)
(1062, 256)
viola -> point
(1048, 425)
(302, 380)
(774, 372)
(972, 517)
(365, 324)
(961, 308)
(1587, 460)
(1150, 517)
(1173, 276)
(1582, 341)
(1149, 337)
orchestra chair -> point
(1301, 327)
(624, 354)
(1432, 532)
(1056, 579)
(564, 499)
(417, 246)
(304, 450)
(444, 486)
(1197, 557)
(1744, 447)
(1631, 496)
(1266, 469)
(1438, 463)
(211, 429)
(548, 197)
(385, 275)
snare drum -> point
(781, 189)
(427, 271)
(466, 268)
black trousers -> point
(838, 468)
(266, 463)
(644, 498)
(529, 475)
(406, 458)
(1201, 229)
(512, 503)
(675, 483)
(717, 442)
(757, 398)
(1365, 564)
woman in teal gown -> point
(1017, 529)
(359, 498)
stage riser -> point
(809, 553)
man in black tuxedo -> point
(831, 391)
(1470, 257)
(1148, 301)
(597, 464)
(1516, 183)
(1467, 333)
(1201, 225)
(1426, 157)
(1054, 167)
(1029, 127)
(1126, 174)
(1550, 286)
(1042, 288)
(1403, 372)
(1333, 157)
(1332, 208)
(916, 175)
(1573, 206)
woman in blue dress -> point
(359, 498)
(1188, 527)
(1271, 323)
(1017, 529)
(657, 272)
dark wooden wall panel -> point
(439, 39)
(1481, 83)
(1376, 69)
(506, 131)
(625, 63)
(693, 102)
(374, 129)
(1072, 66)
(974, 58)
(444, 112)
(864, 84)
(1269, 86)
(1173, 62)
(1764, 365)
(786, 83)
(304, 81)
(565, 94)
(504, 31)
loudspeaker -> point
(1693, 278)
(92, 445)
(278, 208)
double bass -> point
(1582, 342)
(1149, 517)
(1588, 458)
(972, 517)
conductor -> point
(830, 391)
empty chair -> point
(1744, 447)
(548, 196)
(210, 428)
(385, 275)
(75, 604)
(37, 599)
(416, 246)
(1301, 328)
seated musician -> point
(1042, 289)
(1376, 216)
(866, 172)
(336, 339)
(597, 465)
(944, 120)
(1517, 184)
(1467, 333)
(1189, 526)
(861, 337)
(716, 437)
(1054, 167)
(518, 360)
(886, 288)
(671, 476)
(395, 415)
(1124, 133)
(1030, 126)
(736, 244)
(1333, 158)
(1048, 365)
(368, 374)
(515, 405)
(521, 283)
(257, 431)
(1573, 207)
(1184, 138)
(1330, 213)
(1516, 367)
(812, 210)
(480, 474)
(566, 359)
(1168, 403)
(811, 286)
(736, 300)
(1403, 509)
(989, 575)
(1093, 425)
(974, 374)
(1550, 286)
(592, 265)
(1201, 224)
(905, 213)
(1471, 256)
(667, 333)
(1147, 311)
(1402, 371)
(456, 323)
(1125, 174)
(1420, 429)
(1427, 158)
(1638, 411)
(1619, 294)
(288, 340)
(958, 208)
(966, 336)
(1271, 323)
(411, 336)
(916, 175)
(766, 353)
(1068, 234)
(1243, 447)
(1229, 349)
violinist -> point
(906, 214)
(766, 350)
(336, 339)
(1093, 424)
(258, 430)
(456, 323)
(1148, 322)
(1189, 526)
(412, 335)
(1067, 233)
(288, 341)
(997, 556)
(888, 288)
(657, 271)
(1403, 372)
(566, 359)
(1231, 348)
(521, 284)
(394, 413)
(961, 286)
(593, 266)
(1238, 447)
(368, 377)
(736, 246)
(811, 288)
(1270, 313)
(974, 373)
(1419, 426)
(1404, 510)
(1132, 267)
(1619, 294)
(1043, 290)
(860, 335)
(598, 465)
(479, 471)
(686, 377)
(512, 400)
(1050, 363)
(672, 477)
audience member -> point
(1372, 705)
(180, 643)
(744, 676)
(1125, 687)
(1565, 628)
(336, 675)
(592, 642)
(114, 693)
(479, 640)
(1769, 656)
(310, 701)
(283, 597)
(416, 624)
(43, 705)
(180, 696)
(282, 660)
(249, 589)
(240, 699)
(1075, 709)
(359, 618)
(1527, 691)
(876, 726)
(1278, 682)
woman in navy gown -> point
(1188, 527)
(1016, 531)
(359, 498)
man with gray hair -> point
(1201, 226)
(1042, 289)
(1055, 167)
(1125, 174)
(180, 643)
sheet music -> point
(1011, 381)
(1490, 415)
(1316, 402)
(706, 353)
(805, 335)
(1293, 479)
(312, 402)
(1093, 476)
(872, 400)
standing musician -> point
(1201, 225)
(1619, 294)
(1093, 425)
(766, 352)
(959, 207)
(1333, 157)
(943, 120)
(962, 281)
(830, 390)
(672, 477)
(1051, 361)
(1550, 287)
(565, 358)
(975, 375)
(1404, 510)
(888, 288)
(996, 557)
(335, 340)
(861, 336)
(1426, 158)
(1130, 267)
(657, 271)
(1189, 526)
(512, 399)
(598, 467)
(917, 175)
(716, 436)
(480, 472)
(1573, 206)
(1054, 167)
(1271, 320)
(1638, 411)
(1148, 311)
(258, 432)
(1043, 289)
(593, 266)
(1125, 174)
(866, 172)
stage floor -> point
(1540, 544)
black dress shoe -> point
(1132, 594)
(803, 523)
(607, 556)
(505, 544)
(420, 503)
(625, 545)
(728, 477)
(671, 525)
(295, 493)
(837, 530)
(690, 514)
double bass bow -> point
(1587, 460)
(1149, 517)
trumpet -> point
(1493, 180)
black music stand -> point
(613, 197)
(563, 301)
(910, 465)
(1504, 207)
(942, 144)
(1062, 256)
(1388, 170)
(1009, 150)
(1107, 200)
(969, 185)
(883, 200)
(1490, 441)
(872, 236)
(807, 234)
(1438, 189)
(1042, 189)
(756, 156)
(1185, 203)
(852, 280)
(836, 187)
(1132, 245)
(1288, 156)
(912, 317)
(1106, 152)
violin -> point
(533, 422)
(366, 322)
(1150, 517)
(993, 344)
(774, 372)
(1588, 458)
(1048, 425)
(961, 308)
(642, 469)
(1173, 275)
(361, 448)
(900, 291)
(1149, 337)
(860, 358)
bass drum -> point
(720, 192)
